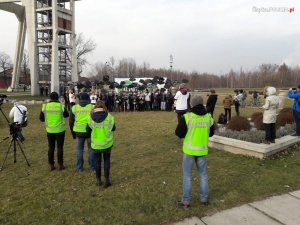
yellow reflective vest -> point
(54, 119)
(196, 140)
(82, 117)
(102, 134)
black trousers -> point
(227, 114)
(180, 114)
(237, 110)
(97, 157)
(59, 138)
(270, 131)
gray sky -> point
(203, 35)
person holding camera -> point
(79, 118)
(195, 127)
(101, 126)
(53, 114)
(294, 93)
(19, 113)
(182, 98)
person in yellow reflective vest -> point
(195, 127)
(53, 114)
(102, 126)
(79, 119)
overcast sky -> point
(203, 35)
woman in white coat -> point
(270, 113)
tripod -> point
(15, 135)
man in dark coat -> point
(211, 102)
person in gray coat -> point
(270, 113)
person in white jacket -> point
(19, 113)
(182, 101)
(270, 113)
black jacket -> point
(182, 129)
(211, 103)
(65, 113)
(82, 103)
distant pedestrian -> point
(182, 98)
(227, 102)
(294, 93)
(211, 102)
(102, 125)
(195, 127)
(270, 113)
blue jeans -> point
(187, 167)
(296, 115)
(80, 149)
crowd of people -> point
(92, 124)
(133, 100)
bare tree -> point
(5, 65)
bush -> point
(255, 115)
(286, 110)
(238, 123)
(258, 122)
(257, 136)
(283, 119)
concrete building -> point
(50, 29)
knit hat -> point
(84, 96)
(196, 100)
(54, 95)
(182, 85)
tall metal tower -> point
(50, 26)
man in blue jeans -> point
(295, 94)
(195, 127)
(79, 119)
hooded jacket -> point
(82, 103)
(182, 128)
(227, 102)
(98, 117)
(296, 96)
(271, 106)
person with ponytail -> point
(102, 125)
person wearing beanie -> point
(53, 114)
(294, 93)
(182, 98)
(79, 119)
(195, 127)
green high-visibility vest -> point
(102, 134)
(54, 119)
(196, 140)
(82, 117)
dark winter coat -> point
(182, 128)
(211, 103)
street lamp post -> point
(171, 66)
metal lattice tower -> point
(50, 26)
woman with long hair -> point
(102, 125)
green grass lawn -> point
(145, 173)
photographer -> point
(295, 94)
(19, 113)
(53, 114)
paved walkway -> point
(278, 210)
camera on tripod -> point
(15, 130)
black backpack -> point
(222, 119)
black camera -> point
(16, 131)
(2, 97)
